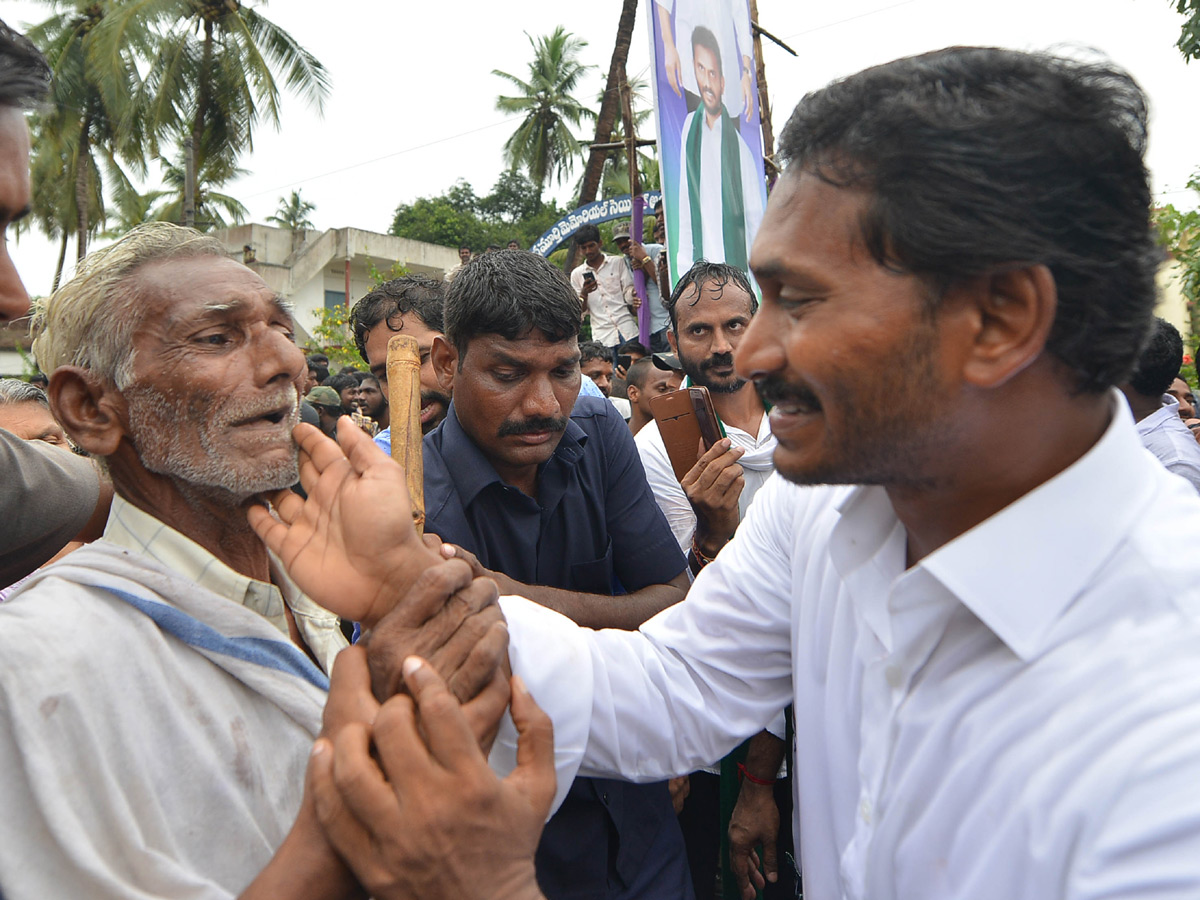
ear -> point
(444, 358)
(1011, 313)
(672, 342)
(632, 393)
(89, 408)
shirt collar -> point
(137, 530)
(471, 471)
(1019, 570)
(1166, 412)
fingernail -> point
(411, 664)
(447, 551)
(320, 747)
(518, 685)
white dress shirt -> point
(1016, 716)
(754, 193)
(1172, 443)
(756, 462)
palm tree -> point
(292, 214)
(93, 124)
(609, 107)
(213, 208)
(543, 143)
(215, 73)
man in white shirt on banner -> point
(605, 287)
(721, 189)
(972, 594)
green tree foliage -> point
(543, 144)
(92, 125)
(213, 208)
(512, 211)
(1179, 231)
(214, 71)
(1189, 36)
(292, 213)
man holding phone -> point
(710, 309)
(605, 288)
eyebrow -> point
(504, 359)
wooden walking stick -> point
(404, 397)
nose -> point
(720, 342)
(539, 400)
(761, 351)
(277, 358)
(14, 300)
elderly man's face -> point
(215, 377)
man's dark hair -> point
(587, 234)
(24, 73)
(1158, 365)
(318, 363)
(589, 350)
(636, 376)
(464, 247)
(702, 37)
(340, 382)
(391, 301)
(633, 347)
(492, 248)
(700, 274)
(978, 159)
(510, 293)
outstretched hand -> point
(351, 545)
(432, 819)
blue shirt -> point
(594, 527)
(595, 519)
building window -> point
(335, 298)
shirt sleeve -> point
(668, 493)
(644, 549)
(49, 495)
(698, 678)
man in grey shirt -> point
(1157, 413)
(49, 496)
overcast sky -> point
(413, 100)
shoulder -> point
(650, 444)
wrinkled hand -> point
(680, 788)
(713, 487)
(755, 821)
(351, 545)
(432, 820)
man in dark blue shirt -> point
(547, 495)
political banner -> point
(709, 137)
(590, 214)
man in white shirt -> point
(721, 191)
(972, 594)
(1156, 410)
(605, 288)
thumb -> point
(534, 776)
(770, 865)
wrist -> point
(751, 780)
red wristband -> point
(752, 779)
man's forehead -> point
(710, 300)
(201, 285)
(531, 347)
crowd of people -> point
(911, 624)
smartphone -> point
(685, 418)
(624, 361)
(588, 276)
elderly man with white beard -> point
(160, 689)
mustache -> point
(775, 391)
(428, 397)
(717, 359)
(532, 426)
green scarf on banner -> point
(733, 203)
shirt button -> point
(864, 809)
(894, 676)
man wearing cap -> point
(328, 406)
(645, 257)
